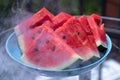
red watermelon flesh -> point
(48, 51)
(36, 20)
(75, 36)
(27, 38)
(92, 45)
(85, 25)
(97, 27)
(60, 19)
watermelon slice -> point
(48, 51)
(60, 19)
(85, 25)
(75, 36)
(36, 20)
(97, 27)
(27, 38)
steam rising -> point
(9, 69)
(18, 17)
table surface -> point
(11, 70)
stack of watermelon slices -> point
(56, 42)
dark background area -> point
(12, 9)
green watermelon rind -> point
(100, 43)
(21, 43)
(93, 54)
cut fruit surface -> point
(60, 19)
(74, 35)
(36, 20)
(97, 27)
(28, 37)
(48, 51)
(91, 41)
(85, 25)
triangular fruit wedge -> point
(60, 19)
(85, 25)
(97, 27)
(48, 51)
(74, 35)
(36, 20)
(28, 37)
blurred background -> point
(10, 9)
(13, 11)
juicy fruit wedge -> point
(74, 35)
(28, 37)
(97, 27)
(36, 20)
(85, 25)
(60, 19)
(48, 51)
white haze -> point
(9, 69)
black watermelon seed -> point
(53, 48)
(64, 37)
(36, 49)
(38, 24)
(78, 33)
